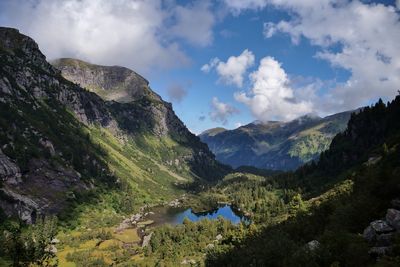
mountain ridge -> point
(276, 145)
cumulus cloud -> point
(221, 111)
(232, 71)
(134, 33)
(176, 93)
(360, 37)
(271, 97)
(369, 37)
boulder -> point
(52, 249)
(218, 237)
(393, 218)
(146, 240)
(381, 227)
(313, 245)
(136, 217)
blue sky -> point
(273, 59)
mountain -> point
(85, 132)
(275, 145)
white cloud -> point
(269, 29)
(206, 68)
(271, 97)
(232, 71)
(135, 33)
(221, 111)
(236, 6)
(368, 36)
(362, 38)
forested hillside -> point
(322, 215)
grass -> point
(127, 236)
(95, 247)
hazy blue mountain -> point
(275, 145)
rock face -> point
(110, 82)
(9, 171)
(275, 145)
(381, 227)
(47, 157)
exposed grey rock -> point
(373, 160)
(47, 144)
(9, 171)
(313, 245)
(136, 217)
(52, 249)
(218, 237)
(369, 234)
(146, 240)
(5, 86)
(393, 218)
(104, 80)
(25, 207)
(381, 226)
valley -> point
(97, 170)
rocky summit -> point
(110, 82)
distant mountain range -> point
(275, 145)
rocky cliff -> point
(109, 82)
(60, 141)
